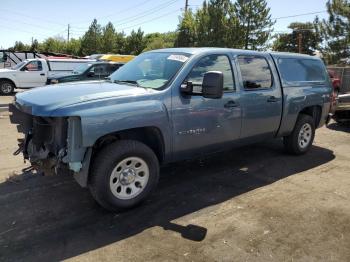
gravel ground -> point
(250, 204)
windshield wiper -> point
(127, 82)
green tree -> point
(336, 31)
(186, 30)
(159, 40)
(120, 43)
(135, 42)
(255, 20)
(306, 33)
(109, 39)
(19, 46)
(74, 47)
(91, 42)
(54, 44)
(34, 46)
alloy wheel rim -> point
(305, 135)
(129, 178)
(6, 88)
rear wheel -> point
(123, 174)
(302, 137)
(6, 87)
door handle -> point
(42, 74)
(272, 99)
(231, 104)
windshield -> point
(18, 66)
(81, 69)
(150, 70)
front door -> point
(261, 97)
(32, 75)
(202, 124)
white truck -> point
(34, 72)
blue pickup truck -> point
(169, 105)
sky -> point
(22, 19)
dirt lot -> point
(250, 204)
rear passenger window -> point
(296, 71)
(255, 72)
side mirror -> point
(213, 85)
(24, 68)
(90, 74)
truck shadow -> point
(343, 127)
(52, 218)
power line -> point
(21, 30)
(30, 17)
(291, 16)
(146, 13)
(151, 20)
(30, 24)
(138, 16)
(113, 14)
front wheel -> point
(302, 137)
(123, 174)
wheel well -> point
(150, 136)
(6, 79)
(313, 111)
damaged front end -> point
(51, 144)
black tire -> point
(292, 143)
(6, 87)
(106, 162)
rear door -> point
(32, 74)
(261, 96)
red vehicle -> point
(336, 83)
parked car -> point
(169, 105)
(86, 72)
(117, 58)
(34, 72)
(342, 111)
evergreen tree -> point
(19, 46)
(120, 43)
(92, 39)
(34, 46)
(310, 39)
(336, 30)
(255, 19)
(186, 31)
(109, 39)
(135, 42)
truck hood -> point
(42, 101)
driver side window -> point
(212, 63)
(34, 66)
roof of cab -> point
(197, 50)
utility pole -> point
(300, 42)
(249, 2)
(68, 33)
(186, 6)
